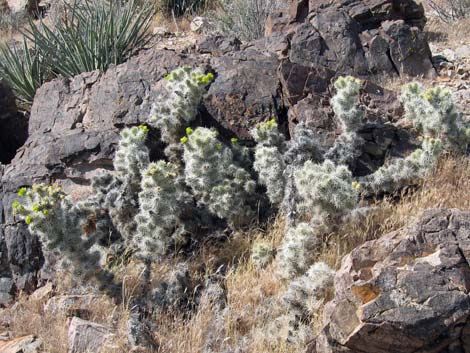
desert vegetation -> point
(191, 233)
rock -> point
(350, 36)
(218, 45)
(42, 293)
(22, 6)
(6, 290)
(14, 125)
(404, 292)
(86, 336)
(463, 52)
(198, 24)
(245, 92)
(70, 305)
(25, 344)
(409, 49)
(139, 336)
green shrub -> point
(22, 69)
(94, 35)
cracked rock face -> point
(405, 292)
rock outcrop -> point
(357, 37)
(407, 291)
(86, 336)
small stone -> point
(86, 336)
(25, 344)
(198, 24)
(42, 293)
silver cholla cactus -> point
(434, 114)
(179, 105)
(404, 171)
(345, 103)
(269, 160)
(162, 200)
(132, 156)
(303, 146)
(306, 293)
(325, 189)
(297, 250)
(60, 225)
(262, 254)
(216, 181)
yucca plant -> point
(93, 35)
(22, 69)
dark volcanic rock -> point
(246, 90)
(14, 125)
(405, 292)
(357, 37)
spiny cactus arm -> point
(132, 155)
(268, 134)
(216, 181)
(270, 166)
(51, 215)
(297, 250)
(269, 161)
(403, 171)
(303, 146)
(161, 201)
(346, 149)
(325, 189)
(345, 103)
(306, 293)
(434, 113)
(178, 106)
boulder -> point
(404, 292)
(25, 344)
(22, 6)
(356, 37)
(86, 336)
(14, 125)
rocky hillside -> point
(278, 195)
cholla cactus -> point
(262, 254)
(269, 162)
(298, 249)
(302, 147)
(325, 189)
(434, 113)
(306, 293)
(346, 103)
(162, 201)
(132, 156)
(346, 150)
(216, 181)
(404, 171)
(267, 134)
(59, 224)
(179, 104)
